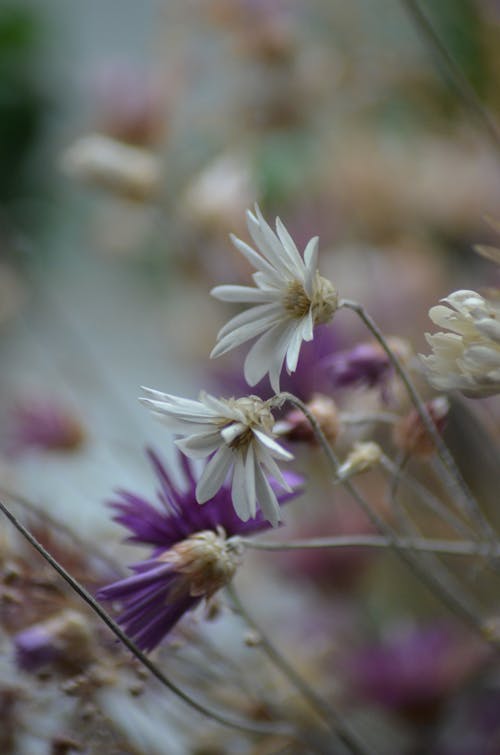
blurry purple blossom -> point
(413, 670)
(44, 425)
(193, 555)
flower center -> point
(295, 301)
(325, 300)
(248, 412)
(207, 560)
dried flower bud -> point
(128, 171)
(63, 640)
(206, 560)
(295, 426)
(363, 456)
(410, 434)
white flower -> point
(238, 432)
(290, 297)
(468, 358)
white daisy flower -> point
(466, 359)
(239, 434)
(290, 298)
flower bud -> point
(108, 164)
(362, 457)
(296, 427)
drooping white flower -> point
(289, 298)
(239, 434)
(466, 359)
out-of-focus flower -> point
(220, 193)
(290, 297)
(131, 104)
(366, 364)
(238, 432)
(63, 640)
(466, 359)
(100, 161)
(364, 455)
(194, 552)
(413, 670)
(409, 433)
(295, 427)
(44, 426)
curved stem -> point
(245, 726)
(459, 607)
(322, 708)
(454, 476)
(426, 545)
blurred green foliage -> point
(22, 104)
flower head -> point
(290, 298)
(466, 359)
(195, 552)
(239, 434)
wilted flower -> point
(195, 552)
(290, 297)
(412, 437)
(131, 172)
(45, 426)
(468, 358)
(239, 434)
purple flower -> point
(194, 551)
(413, 670)
(366, 365)
(44, 425)
(62, 640)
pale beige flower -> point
(467, 357)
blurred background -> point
(133, 137)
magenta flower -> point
(43, 425)
(195, 551)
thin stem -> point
(456, 606)
(247, 727)
(426, 545)
(451, 69)
(430, 501)
(454, 476)
(322, 708)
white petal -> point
(242, 334)
(266, 497)
(263, 353)
(293, 350)
(250, 481)
(243, 294)
(268, 462)
(214, 474)
(270, 246)
(200, 445)
(249, 315)
(238, 490)
(255, 259)
(231, 432)
(275, 448)
(291, 249)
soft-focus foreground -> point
(283, 218)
